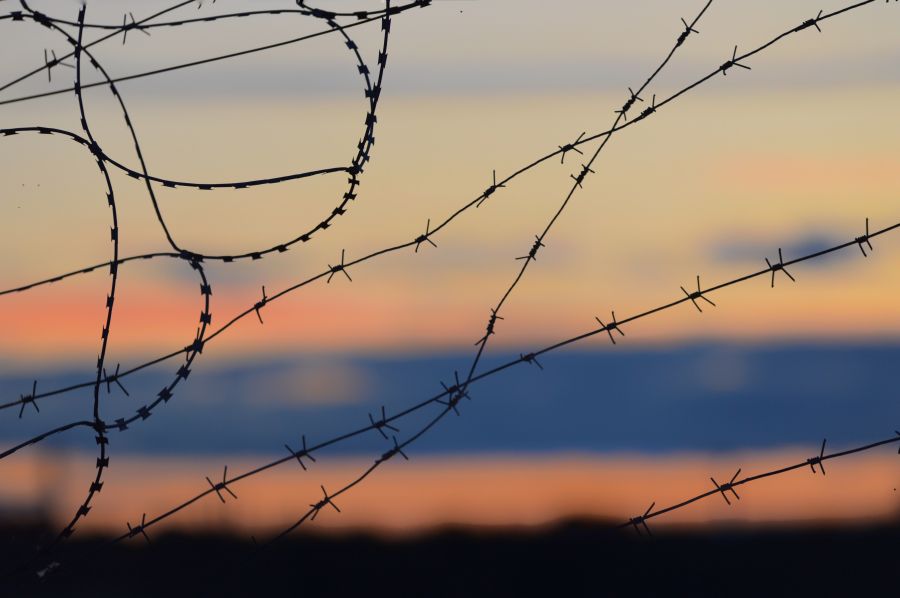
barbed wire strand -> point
(721, 489)
(458, 391)
(400, 246)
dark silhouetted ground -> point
(575, 558)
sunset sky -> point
(795, 153)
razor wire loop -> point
(570, 147)
(860, 240)
(49, 63)
(532, 253)
(614, 325)
(304, 452)
(726, 487)
(698, 294)
(641, 520)
(623, 111)
(262, 303)
(377, 425)
(30, 398)
(316, 507)
(223, 485)
(779, 266)
(339, 268)
(425, 238)
(114, 378)
(139, 529)
(580, 177)
(813, 461)
(397, 450)
(489, 328)
(733, 62)
(490, 190)
(531, 358)
(809, 23)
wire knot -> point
(733, 62)
(425, 237)
(322, 503)
(454, 394)
(490, 190)
(531, 358)
(397, 450)
(641, 520)
(864, 239)
(139, 529)
(382, 423)
(532, 253)
(698, 294)
(114, 378)
(688, 29)
(779, 266)
(339, 268)
(727, 487)
(813, 461)
(810, 23)
(579, 178)
(31, 398)
(614, 325)
(223, 485)
(571, 147)
(301, 453)
(629, 103)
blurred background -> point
(795, 154)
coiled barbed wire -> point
(454, 393)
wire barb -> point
(139, 529)
(688, 29)
(304, 452)
(864, 239)
(32, 398)
(382, 423)
(571, 147)
(489, 329)
(426, 237)
(490, 190)
(698, 294)
(641, 520)
(455, 394)
(813, 461)
(532, 253)
(728, 486)
(223, 485)
(733, 62)
(322, 503)
(614, 325)
(114, 378)
(579, 178)
(779, 266)
(261, 304)
(339, 268)
(397, 450)
(531, 358)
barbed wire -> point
(421, 238)
(641, 520)
(451, 395)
